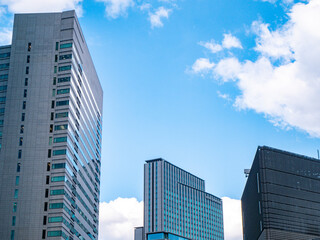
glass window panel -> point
(65, 45)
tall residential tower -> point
(176, 206)
(50, 131)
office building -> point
(176, 206)
(50, 131)
(281, 199)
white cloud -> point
(118, 218)
(274, 1)
(5, 36)
(274, 44)
(283, 83)
(145, 6)
(224, 96)
(212, 46)
(202, 65)
(228, 42)
(232, 219)
(157, 17)
(28, 6)
(117, 8)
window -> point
(24, 103)
(65, 45)
(20, 141)
(60, 139)
(29, 47)
(53, 92)
(25, 93)
(4, 66)
(65, 57)
(65, 68)
(51, 116)
(48, 166)
(43, 234)
(21, 128)
(62, 115)
(44, 220)
(57, 192)
(16, 192)
(54, 81)
(4, 55)
(55, 69)
(61, 127)
(47, 179)
(55, 58)
(52, 104)
(49, 153)
(1, 110)
(45, 208)
(54, 233)
(17, 180)
(2, 99)
(14, 207)
(26, 82)
(19, 153)
(4, 77)
(27, 70)
(18, 167)
(55, 219)
(64, 79)
(50, 140)
(58, 179)
(3, 88)
(59, 152)
(28, 59)
(63, 91)
(12, 235)
(13, 220)
(46, 193)
(57, 46)
(55, 205)
(62, 103)
(51, 128)
(23, 116)
(58, 165)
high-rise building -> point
(281, 199)
(176, 206)
(50, 131)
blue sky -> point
(200, 83)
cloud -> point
(202, 65)
(29, 6)
(5, 36)
(117, 8)
(224, 96)
(228, 42)
(283, 82)
(232, 219)
(157, 17)
(118, 218)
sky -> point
(200, 83)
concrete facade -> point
(51, 132)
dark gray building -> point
(281, 199)
(176, 205)
(50, 131)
